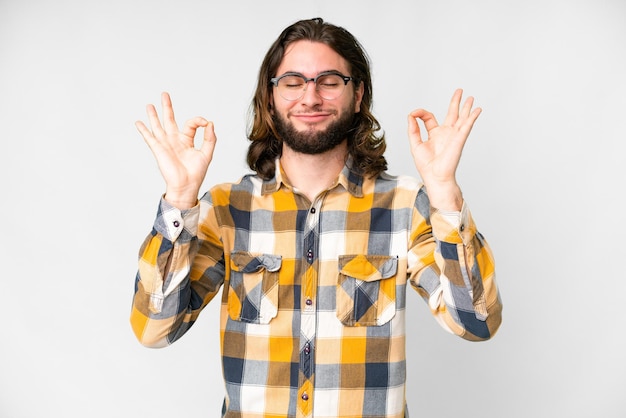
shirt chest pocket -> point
(253, 287)
(366, 289)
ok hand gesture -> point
(182, 165)
(437, 158)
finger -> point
(153, 117)
(467, 108)
(145, 133)
(208, 145)
(469, 122)
(143, 129)
(169, 122)
(453, 108)
(430, 122)
(192, 125)
(413, 129)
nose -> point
(311, 96)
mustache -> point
(313, 111)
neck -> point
(312, 174)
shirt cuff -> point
(455, 227)
(175, 224)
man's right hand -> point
(182, 165)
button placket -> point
(309, 254)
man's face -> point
(311, 124)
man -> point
(314, 251)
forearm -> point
(182, 198)
(162, 294)
(468, 301)
(162, 289)
(445, 197)
(457, 275)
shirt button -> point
(176, 224)
(305, 396)
(309, 301)
(312, 210)
(462, 227)
(307, 348)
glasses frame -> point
(274, 81)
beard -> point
(313, 141)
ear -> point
(358, 97)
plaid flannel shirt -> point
(313, 293)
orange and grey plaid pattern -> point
(313, 293)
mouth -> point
(312, 117)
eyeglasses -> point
(329, 85)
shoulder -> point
(249, 184)
(407, 191)
(406, 182)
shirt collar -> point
(348, 178)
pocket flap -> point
(245, 262)
(368, 268)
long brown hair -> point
(365, 146)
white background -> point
(543, 173)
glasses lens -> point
(330, 86)
(291, 87)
